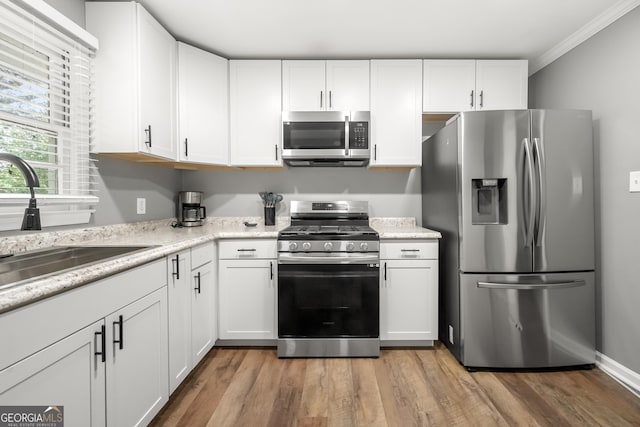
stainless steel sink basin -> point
(16, 268)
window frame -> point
(56, 209)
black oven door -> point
(328, 300)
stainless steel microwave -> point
(325, 138)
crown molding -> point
(592, 27)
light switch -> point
(634, 182)
(141, 206)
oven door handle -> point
(324, 259)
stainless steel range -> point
(328, 282)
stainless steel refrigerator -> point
(512, 194)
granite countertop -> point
(402, 228)
(162, 239)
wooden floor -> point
(404, 387)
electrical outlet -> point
(634, 182)
(141, 206)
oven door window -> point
(314, 135)
(328, 301)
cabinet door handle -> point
(320, 99)
(481, 98)
(186, 147)
(471, 98)
(120, 341)
(176, 271)
(375, 151)
(276, 152)
(385, 272)
(330, 103)
(103, 343)
(271, 270)
(197, 277)
(147, 132)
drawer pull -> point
(246, 250)
(409, 250)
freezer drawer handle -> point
(532, 286)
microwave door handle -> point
(346, 136)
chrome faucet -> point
(31, 219)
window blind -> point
(46, 108)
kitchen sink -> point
(17, 268)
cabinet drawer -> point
(200, 255)
(409, 249)
(244, 248)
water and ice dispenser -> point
(489, 201)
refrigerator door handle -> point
(531, 214)
(531, 286)
(542, 191)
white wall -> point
(121, 182)
(235, 193)
(603, 75)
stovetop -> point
(328, 232)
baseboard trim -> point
(625, 376)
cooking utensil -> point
(270, 199)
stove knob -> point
(364, 246)
(328, 246)
(293, 246)
(350, 246)
(306, 246)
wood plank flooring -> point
(404, 387)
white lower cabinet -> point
(137, 386)
(66, 374)
(179, 302)
(203, 312)
(191, 289)
(113, 371)
(247, 290)
(408, 291)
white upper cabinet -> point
(203, 106)
(396, 112)
(303, 86)
(501, 85)
(348, 85)
(135, 80)
(468, 85)
(255, 88)
(325, 85)
(449, 85)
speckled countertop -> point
(163, 239)
(402, 228)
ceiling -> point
(360, 29)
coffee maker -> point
(190, 211)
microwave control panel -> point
(359, 135)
